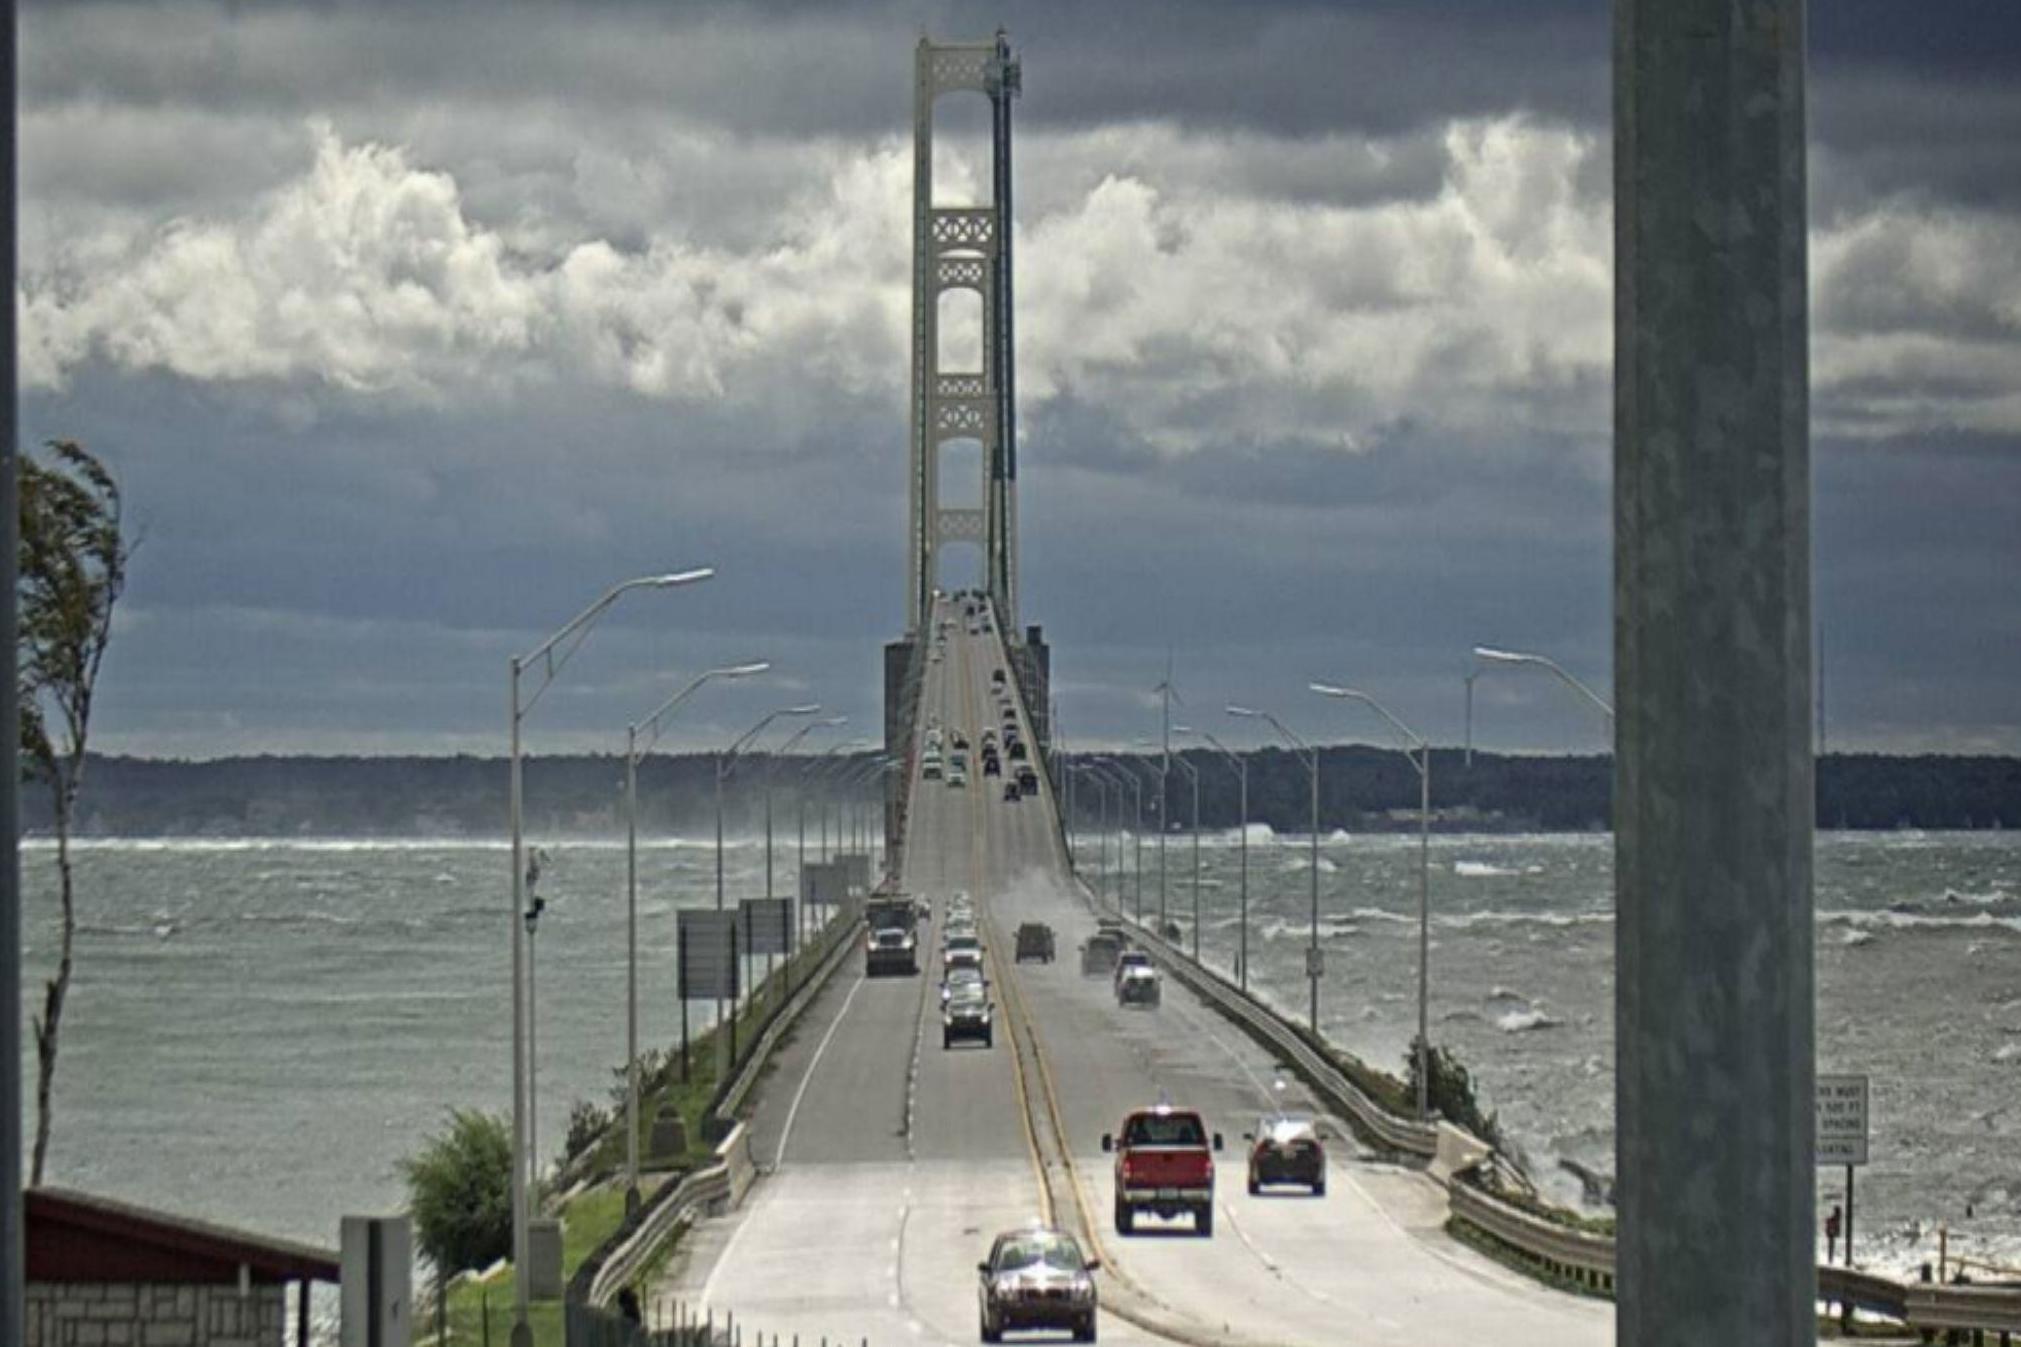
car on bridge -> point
(890, 949)
(1164, 1166)
(957, 775)
(961, 975)
(1035, 941)
(1139, 986)
(1012, 792)
(1037, 1278)
(1285, 1148)
(1100, 953)
(1027, 779)
(1129, 959)
(960, 947)
(966, 1016)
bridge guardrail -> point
(1399, 1134)
(1574, 1255)
(1987, 1309)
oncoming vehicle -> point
(966, 1016)
(891, 949)
(1011, 793)
(961, 947)
(958, 977)
(1037, 1278)
(1138, 987)
(957, 775)
(1285, 1148)
(1164, 1166)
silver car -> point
(1037, 1278)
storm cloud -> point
(409, 330)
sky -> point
(409, 329)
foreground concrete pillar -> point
(1713, 799)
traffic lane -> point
(1275, 1265)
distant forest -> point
(1361, 789)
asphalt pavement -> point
(893, 1162)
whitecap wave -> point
(1481, 870)
(1524, 1021)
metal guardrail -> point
(840, 935)
(1399, 1134)
(1573, 1255)
(699, 1191)
(1862, 1290)
(1991, 1309)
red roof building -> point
(108, 1274)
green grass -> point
(587, 1221)
(594, 1215)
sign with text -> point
(767, 925)
(1841, 1120)
(707, 962)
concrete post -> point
(1713, 795)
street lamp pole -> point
(1137, 835)
(726, 762)
(1412, 740)
(1311, 754)
(652, 724)
(1240, 766)
(1487, 657)
(551, 665)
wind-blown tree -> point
(72, 566)
(459, 1189)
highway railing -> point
(1566, 1253)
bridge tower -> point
(954, 249)
(957, 248)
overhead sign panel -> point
(1841, 1120)
(707, 962)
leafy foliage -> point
(71, 567)
(1451, 1094)
(460, 1192)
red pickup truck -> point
(1165, 1166)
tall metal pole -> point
(1242, 954)
(1196, 865)
(1714, 793)
(631, 969)
(1424, 926)
(719, 905)
(522, 1330)
(1312, 957)
(1164, 789)
(13, 1309)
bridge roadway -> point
(892, 1162)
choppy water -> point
(1918, 984)
(259, 1031)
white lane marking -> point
(793, 1110)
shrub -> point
(1451, 1094)
(460, 1191)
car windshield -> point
(961, 942)
(1284, 1127)
(967, 997)
(1058, 1252)
(1164, 1129)
(891, 937)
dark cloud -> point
(1315, 299)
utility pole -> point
(1714, 777)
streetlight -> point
(551, 665)
(1423, 763)
(1311, 754)
(635, 752)
(1136, 835)
(1489, 656)
(770, 763)
(726, 762)
(1193, 775)
(1240, 766)
(1102, 826)
(820, 763)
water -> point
(260, 1030)
(1918, 984)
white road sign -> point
(1841, 1120)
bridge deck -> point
(897, 1161)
